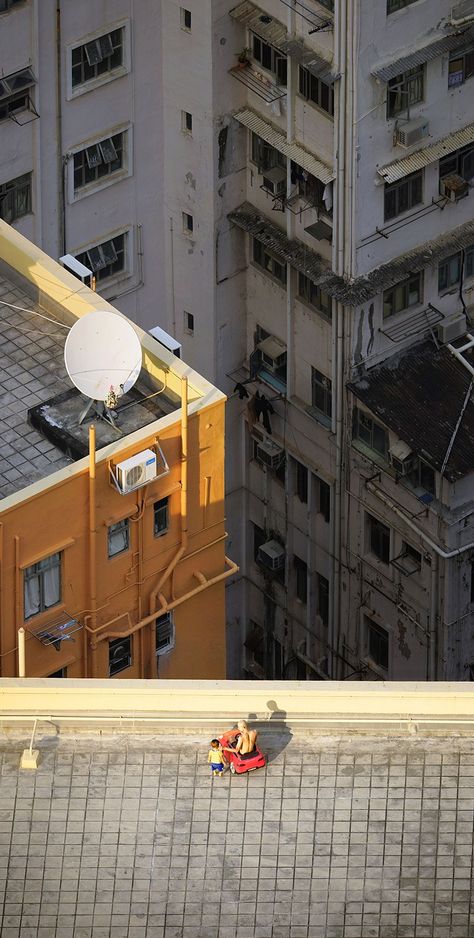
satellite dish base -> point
(102, 412)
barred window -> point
(15, 198)
(315, 90)
(164, 633)
(403, 195)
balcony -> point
(256, 81)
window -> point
(300, 476)
(301, 579)
(423, 477)
(62, 672)
(379, 539)
(370, 432)
(310, 187)
(99, 161)
(164, 633)
(264, 155)
(377, 644)
(120, 654)
(449, 270)
(259, 538)
(394, 5)
(106, 259)
(461, 67)
(403, 295)
(404, 90)
(472, 582)
(100, 56)
(188, 323)
(461, 163)
(15, 198)
(188, 223)
(313, 294)
(186, 122)
(270, 58)
(403, 195)
(42, 585)
(321, 394)
(408, 560)
(255, 643)
(322, 598)
(15, 92)
(323, 499)
(185, 19)
(268, 262)
(318, 92)
(160, 517)
(329, 4)
(118, 537)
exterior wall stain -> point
(402, 643)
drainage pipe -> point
(21, 653)
(92, 549)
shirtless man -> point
(246, 741)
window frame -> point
(321, 384)
(116, 528)
(456, 57)
(160, 620)
(311, 294)
(126, 250)
(158, 506)
(18, 100)
(300, 568)
(400, 85)
(187, 221)
(188, 322)
(10, 190)
(375, 427)
(402, 4)
(35, 570)
(379, 538)
(322, 598)
(275, 56)
(408, 183)
(309, 84)
(74, 91)
(9, 4)
(115, 643)
(184, 16)
(277, 269)
(373, 644)
(265, 156)
(402, 291)
(454, 163)
(109, 179)
(300, 480)
(323, 498)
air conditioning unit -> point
(454, 187)
(412, 132)
(450, 329)
(401, 458)
(271, 555)
(272, 353)
(136, 471)
(274, 180)
(269, 454)
(462, 12)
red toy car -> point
(237, 763)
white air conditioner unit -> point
(136, 471)
(271, 555)
(274, 180)
(450, 329)
(401, 458)
(454, 187)
(269, 454)
(412, 132)
(272, 353)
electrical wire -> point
(34, 312)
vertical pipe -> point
(433, 617)
(184, 463)
(2, 594)
(21, 653)
(92, 545)
(59, 136)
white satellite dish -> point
(103, 358)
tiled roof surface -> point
(419, 395)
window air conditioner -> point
(272, 353)
(269, 454)
(448, 330)
(453, 187)
(401, 458)
(271, 555)
(136, 471)
(274, 180)
(412, 132)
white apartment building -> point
(286, 189)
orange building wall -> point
(57, 518)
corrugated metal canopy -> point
(421, 158)
(437, 45)
(309, 59)
(276, 138)
(257, 20)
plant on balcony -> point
(243, 57)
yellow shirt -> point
(216, 756)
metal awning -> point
(276, 138)
(423, 321)
(437, 45)
(260, 23)
(309, 59)
(254, 81)
(272, 347)
(435, 151)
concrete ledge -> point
(168, 706)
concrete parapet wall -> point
(336, 707)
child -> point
(216, 757)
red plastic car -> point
(237, 763)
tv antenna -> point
(103, 358)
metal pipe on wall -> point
(21, 653)
(92, 549)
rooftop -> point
(338, 837)
(438, 382)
